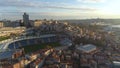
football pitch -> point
(35, 47)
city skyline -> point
(60, 9)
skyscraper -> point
(26, 20)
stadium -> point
(31, 41)
(7, 49)
(26, 41)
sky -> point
(59, 9)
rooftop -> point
(116, 64)
(87, 48)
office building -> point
(26, 20)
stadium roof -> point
(7, 54)
(48, 35)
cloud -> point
(91, 1)
(40, 4)
(68, 8)
(14, 3)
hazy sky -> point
(59, 9)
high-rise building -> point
(26, 20)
